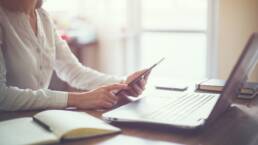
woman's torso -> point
(29, 58)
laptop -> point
(189, 110)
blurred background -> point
(199, 38)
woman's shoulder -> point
(43, 13)
(45, 16)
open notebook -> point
(52, 126)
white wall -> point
(237, 20)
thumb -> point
(146, 77)
(140, 72)
(137, 74)
(116, 87)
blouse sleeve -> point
(13, 98)
(69, 69)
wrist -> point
(73, 99)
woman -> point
(30, 50)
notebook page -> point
(24, 131)
(71, 125)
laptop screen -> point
(238, 76)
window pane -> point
(68, 6)
(185, 54)
(174, 14)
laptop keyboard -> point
(182, 108)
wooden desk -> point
(238, 126)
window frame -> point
(135, 30)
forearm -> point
(15, 99)
(84, 78)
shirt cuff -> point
(57, 99)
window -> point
(59, 6)
(177, 30)
(182, 31)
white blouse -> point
(27, 62)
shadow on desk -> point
(237, 126)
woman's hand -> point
(100, 98)
(105, 97)
(138, 87)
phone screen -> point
(142, 75)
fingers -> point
(133, 92)
(135, 75)
(112, 98)
(146, 76)
(141, 71)
(107, 105)
(142, 83)
(116, 87)
(109, 99)
(123, 94)
(137, 89)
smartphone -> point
(141, 76)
